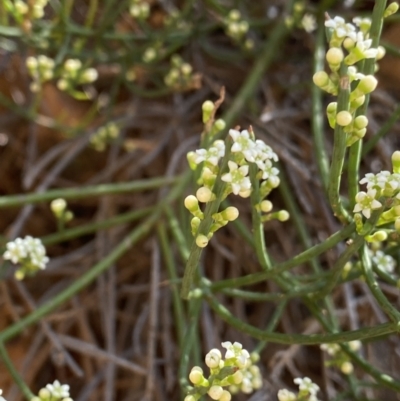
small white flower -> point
(213, 358)
(330, 349)
(212, 155)
(384, 262)
(306, 384)
(58, 390)
(268, 170)
(16, 251)
(309, 23)
(236, 350)
(340, 27)
(286, 395)
(366, 202)
(1, 398)
(237, 177)
(244, 144)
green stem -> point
(194, 311)
(305, 339)
(317, 111)
(339, 150)
(71, 233)
(316, 250)
(373, 285)
(173, 276)
(14, 373)
(257, 225)
(78, 193)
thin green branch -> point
(79, 193)
(19, 381)
(305, 339)
(305, 256)
(339, 150)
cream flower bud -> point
(213, 358)
(283, 215)
(191, 203)
(204, 194)
(347, 368)
(44, 394)
(215, 392)
(225, 396)
(196, 375)
(360, 122)
(266, 206)
(220, 124)
(231, 213)
(207, 107)
(189, 398)
(391, 9)
(58, 206)
(381, 53)
(355, 345)
(321, 78)
(396, 161)
(31, 63)
(367, 84)
(237, 377)
(344, 118)
(334, 55)
(201, 241)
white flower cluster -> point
(104, 135)
(236, 372)
(29, 252)
(338, 358)
(382, 186)
(245, 149)
(53, 392)
(300, 18)
(236, 28)
(384, 262)
(73, 73)
(348, 45)
(307, 391)
(41, 69)
(139, 9)
(180, 77)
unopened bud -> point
(225, 396)
(347, 368)
(343, 118)
(367, 84)
(321, 78)
(231, 213)
(396, 161)
(215, 392)
(201, 241)
(208, 108)
(266, 206)
(204, 194)
(334, 56)
(196, 375)
(283, 215)
(390, 9)
(381, 53)
(191, 203)
(360, 122)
